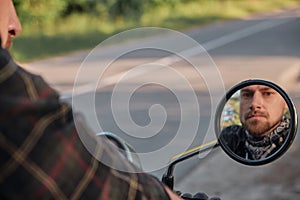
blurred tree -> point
(135, 8)
(82, 6)
(127, 8)
(42, 13)
(39, 12)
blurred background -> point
(57, 27)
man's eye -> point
(246, 94)
(268, 93)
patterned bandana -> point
(261, 147)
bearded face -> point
(258, 125)
(261, 109)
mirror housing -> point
(236, 91)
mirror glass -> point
(256, 122)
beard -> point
(257, 127)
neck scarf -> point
(260, 147)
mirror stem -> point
(168, 178)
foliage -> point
(81, 24)
(43, 12)
(39, 12)
(231, 112)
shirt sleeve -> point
(42, 154)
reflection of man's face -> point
(261, 109)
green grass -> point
(32, 47)
(80, 32)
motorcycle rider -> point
(42, 156)
(264, 125)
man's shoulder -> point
(232, 130)
(234, 133)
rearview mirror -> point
(255, 122)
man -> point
(41, 155)
(264, 126)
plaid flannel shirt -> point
(42, 156)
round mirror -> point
(255, 122)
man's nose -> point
(256, 102)
(14, 26)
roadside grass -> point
(80, 32)
(33, 47)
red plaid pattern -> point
(42, 156)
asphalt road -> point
(163, 104)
